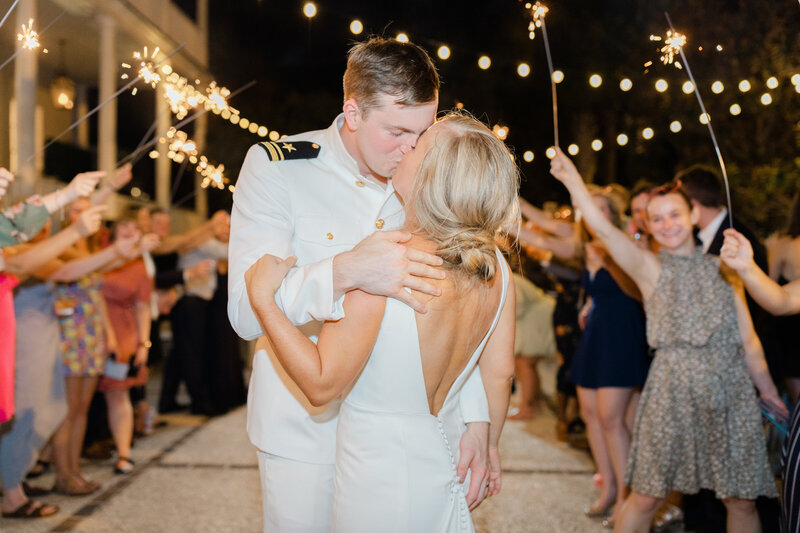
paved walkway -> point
(199, 475)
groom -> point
(320, 196)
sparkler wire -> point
(10, 9)
(552, 80)
(710, 128)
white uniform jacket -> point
(313, 209)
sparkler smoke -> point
(705, 113)
(538, 12)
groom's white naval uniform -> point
(303, 196)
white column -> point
(163, 163)
(25, 73)
(107, 116)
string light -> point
(647, 133)
(687, 87)
(772, 82)
(597, 145)
(625, 84)
(595, 80)
(484, 62)
(443, 52)
(528, 156)
(523, 69)
(558, 76)
(622, 139)
(675, 126)
(705, 118)
(573, 149)
(735, 109)
(717, 87)
(796, 79)
(356, 27)
(661, 85)
(501, 132)
(309, 10)
(744, 86)
(402, 37)
(766, 98)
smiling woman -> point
(699, 387)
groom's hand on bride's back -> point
(382, 264)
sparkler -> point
(678, 41)
(538, 12)
(29, 37)
(145, 69)
(217, 99)
(10, 9)
(673, 44)
(104, 102)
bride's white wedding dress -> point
(396, 462)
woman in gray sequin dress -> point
(698, 425)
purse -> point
(115, 369)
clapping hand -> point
(264, 278)
(737, 252)
(6, 178)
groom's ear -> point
(352, 114)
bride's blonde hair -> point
(464, 193)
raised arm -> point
(322, 370)
(641, 265)
(41, 253)
(563, 247)
(737, 253)
(120, 178)
(497, 369)
(549, 224)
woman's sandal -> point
(32, 509)
(75, 485)
(39, 469)
(125, 469)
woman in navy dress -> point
(610, 364)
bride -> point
(395, 460)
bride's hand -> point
(495, 472)
(264, 278)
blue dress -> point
(613, 349)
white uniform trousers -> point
(296, 496)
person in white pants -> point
(320, 196)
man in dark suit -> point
(703, 512)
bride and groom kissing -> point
(383, 368)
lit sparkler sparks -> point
(538, 12)
(217, 99)
(213, 175)
(180, 146)
(28, 36)
(181, 96)
(673, 44)
(144, 68)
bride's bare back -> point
(453, 327)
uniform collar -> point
(333, 139)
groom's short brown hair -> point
(387, 66)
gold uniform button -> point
(379, 223)
(329, 236)
(360, 183)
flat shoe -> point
(32, 509)
(124, 469)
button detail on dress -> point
(379, 223)
(329, 236)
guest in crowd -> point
(737, 252)
(698, 425)
(127, 290)
(38, 386)
(783, 255)
(640, 197)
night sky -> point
(298, 67)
